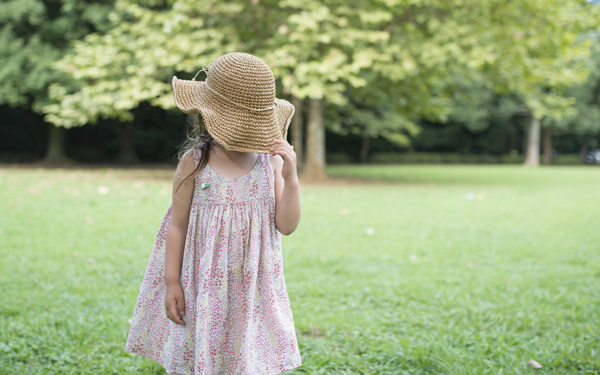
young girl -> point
(213, 299)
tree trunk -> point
(126, 151)
(524, 143)
(548, 145)
(55, 153)
(296, 131)
(314, 169)
(364, 148)
(585, 147)
(533, 142)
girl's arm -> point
(287, 188)
(176, 235)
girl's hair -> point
(197, 139)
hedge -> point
(445, 158)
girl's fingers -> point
(180, 305)
(282, 143)
(175, 316)
(286, 147)
(172, 313)
(287, 156)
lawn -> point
(393, 269)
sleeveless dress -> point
(237, 312)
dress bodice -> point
(256, 184)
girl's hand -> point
(175, 304)
(285, 150)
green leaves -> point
(400, 58)
(33, 36)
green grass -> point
(443, 285)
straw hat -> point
(237, 102)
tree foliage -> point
(383, 64)
(34, 34)
(586, 117)
(388, 64)
(545, 50)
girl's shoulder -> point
(187, 164)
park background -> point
(432, 240)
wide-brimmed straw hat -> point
(237, 103)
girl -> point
(214, 299)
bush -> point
(453, 158)
(566, 159)
(511, 159)
(443, 158)
(388, 158)
(338, 158)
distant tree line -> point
(475, 76)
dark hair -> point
(197, 139)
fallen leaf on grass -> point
(534, 364)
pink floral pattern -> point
(238, 317)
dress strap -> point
(263, 162)
(196, 153)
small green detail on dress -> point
(204, 185)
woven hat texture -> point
(237, 102)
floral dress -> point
(237, 312)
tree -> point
(318, 51)
(315, 142)
(586, 118)
(546, 50)
(33, 36)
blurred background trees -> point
(34, 35)
(373, 81)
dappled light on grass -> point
(442, 285)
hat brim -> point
(235, 128)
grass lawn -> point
(415, 270)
